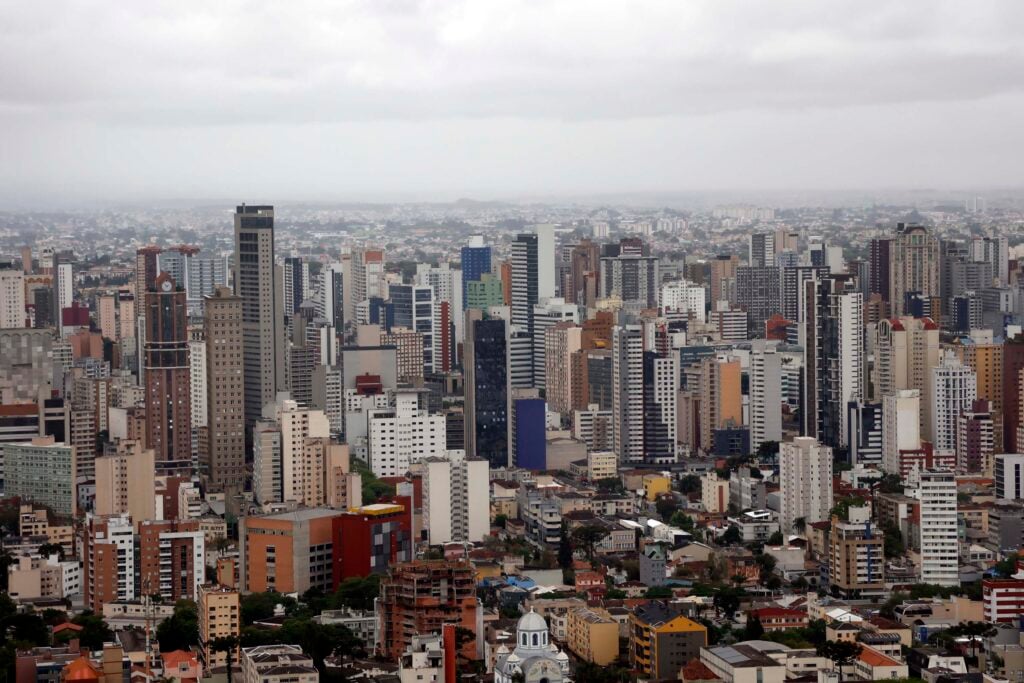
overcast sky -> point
(307, 99)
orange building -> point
(289, 552)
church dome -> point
(531, 621)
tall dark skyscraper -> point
(476, 260)
(757, 292)
(168, 382)
(487, 387)
(294, 290)
(255, 283)
(524, 280)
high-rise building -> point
(856, 557)
(419, 597)
(645, 388)
(765, 394)
(455, 499)
(414, 308)
(476, 262)
(525, 293)
(879, 265)
(953, 391)
(484, 293)
(371, 538)
(527, 436)
(220, 616)
(761, 250)
(547, 286)
(1009, 476)
(296, 285)
(913, 265)
(906, 350)
(287, 552)
(631, 276)
(167, 376)
(42, 471)
(222, 457)
(938, 541)
(975, 439)
(864, 433)
(805, 479)
(684, 299)
(172, 559)
(584, 267)
(125, 483)
(403, 434)
(487, 388)
(793, 289)
(833, 356)
(12, 299)
(1013, 394)
(901, 427)
(108, 561)
(561, 341)
(262, 330)
(723, 279)
(545, 315)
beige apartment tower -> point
(222, 455)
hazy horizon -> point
(513, 101)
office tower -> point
(409, 349)
(414, 309)
(723, 278)
(125, 483)
(1013, 394)
(42, 471)
(716, 383)
(448, 307)
(476, 262)
(404, 434)
(1009, 476)
(833, 356)
(287, 552)
(418, 597)
(938, 541)
(484, 293)
(527, 430)
(631, 276)
(757, 292)
(43, 308)
(879, 265)
(993, 251)
(222, 458)
(584, 264)
(644, 395)
(864, 429)
(63, 289)
(546, 279)
(761, 250)
(296, 285)
(805, 479)
(966, 313)
(975, 439)
(368, 275)
(913, 266)
(856, 556)
(545, 315)
(684, 299)
(792, 289)
(524, 292)
(219, 617)
(12, 299)
(765, 394)
(520, 358)
(816, 254)
(729, 322)
(487, 388)
(332, 295)
(372, 538)
(167, 380)
(455, 499)
(561, 342)
(262, 331)
(205, 276)
(172, 559)
(954, 388)
(901, 427)
(108, 561)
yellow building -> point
(219, 617)
(592, 635)
(662, 641)
(654, 486)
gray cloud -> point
(501, 96)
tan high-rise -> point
(222, 460)
(913, 265)
(125, 483)
(219, 617)
(906, 350)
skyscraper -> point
(487, 388)
(222, 458)
(262, 332)
(938, 541)
(12, 299)
(805, 482)
(913, 265)
(476, 261)
(645, 387)
(762, 250)
(167, 376)
(524, 280)
(954, 388)
(757, 292)
(765, 394)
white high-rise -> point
(547, 314)
(682, 297)
(546, 288)
(12, 299)
(954, 387)
(628, 393)
(805, 482)
(456, 504)
(403, 434)
(901, 429)
(938, 542)
(765, 393)
(1009, 476)
(301, 466)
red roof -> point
(777, 612)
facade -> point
(277, 664)
(644, 397)
(42, 471)
(765, 394)
(167, 373)
(172, 559)
(913, 265)
(487, 388)
(856, 556)
(455, 499)
(222, 455)
(108, 561)
(975, 439)
(758, 292)
(219, 617)
(525, 273)
(476, 262)
(954, 389)
(405, 434)
(1009, 476)
(685, 298)
(370, 539)
(592, 635)
(534, 657)
(289, 552)
(938, 541)
(257, 285)
(12, 299)
(805, 477)
(125, 483)
(662, 641)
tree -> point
(727, 601)
(666, 505)
(768, 450)
(658, 593)
(973, 630)
(47, 549)
(890, 483)
(180, 630)
(754, 629)
(94, 631)
(587, 537)
(1007, 567)
(776, 539)
(690, 484)
(731, 536)
(356, 593)
(564, 548)
(893, 542)
(500, 521)
(841, 652)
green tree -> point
(666, 505)
(727, 601)
(356, 593)
(754, 629)
(730, 537)
(893, 542)
(179, 631)
(94, 631)
(690, 484)
(776, 539)
(500, 521)
(47, 549)
(1008, 566)
(588, 536)
(564, 548)
(229, 646)
(974, 631)
(841, 652)
(658, 593)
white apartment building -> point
(683, 297)
(765, 393)
(456, 499)
(939, 545)
(1009, 476)
(593, 427)
(12, 299)
(953, 391)
(545, 316)
(805, 478)
(403, 434)
(900, 426)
